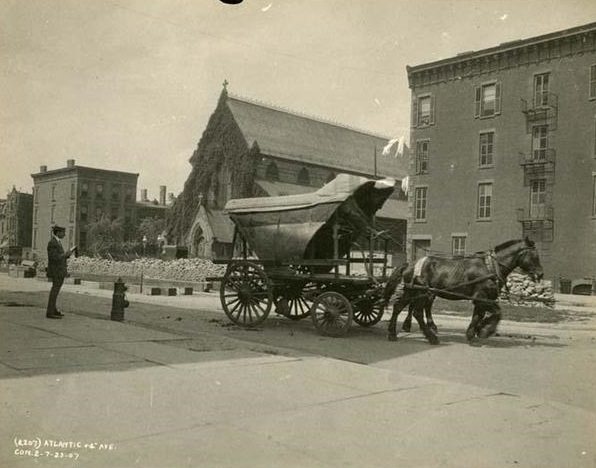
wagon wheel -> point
(296, 301)
(245, 294)
(367, 313)
(331, 314)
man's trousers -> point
(56, 285)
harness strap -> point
(493, 265)
(418, 268)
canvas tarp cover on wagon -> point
(286, 228)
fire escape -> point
(537, 217)
(543, 113)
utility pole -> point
(375, 160)
(371, 244)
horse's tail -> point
(393, 282)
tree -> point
(104, 235)
(151, 228)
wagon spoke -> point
(233, 309)
(239, 312)
(229, 303)
(244, 310)
(258, 304)
(249, 308)
(259, 311)
(307, 306)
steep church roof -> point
(281, 133)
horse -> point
(427, 306)
(478, 278)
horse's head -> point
(528, 260)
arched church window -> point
(272, 173)
(304, 177)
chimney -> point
(162, 195)
(70, 163)
(43, 168)
(144, 195)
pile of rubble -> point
(193, 270)
(524, 291)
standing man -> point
(56, 269)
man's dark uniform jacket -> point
(56, 260)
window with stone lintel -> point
(487, 100)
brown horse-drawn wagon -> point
(297, 254)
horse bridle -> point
(524, 251)
(498, 265)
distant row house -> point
(77, 196)
(15, 225)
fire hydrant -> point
(119, 302)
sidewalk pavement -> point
(575, 301)
(96, 393)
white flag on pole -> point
(405, 183)
(400, 146)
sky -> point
(130, 84)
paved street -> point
(177, 386)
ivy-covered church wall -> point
(222, 144)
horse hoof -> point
(392, 338)
(470, 335)
(406, 328)
(434, 340)
(434, 328)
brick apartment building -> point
(74, 197)
(504, 145)
(15, 224)
(3, 234)
(251, 149)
